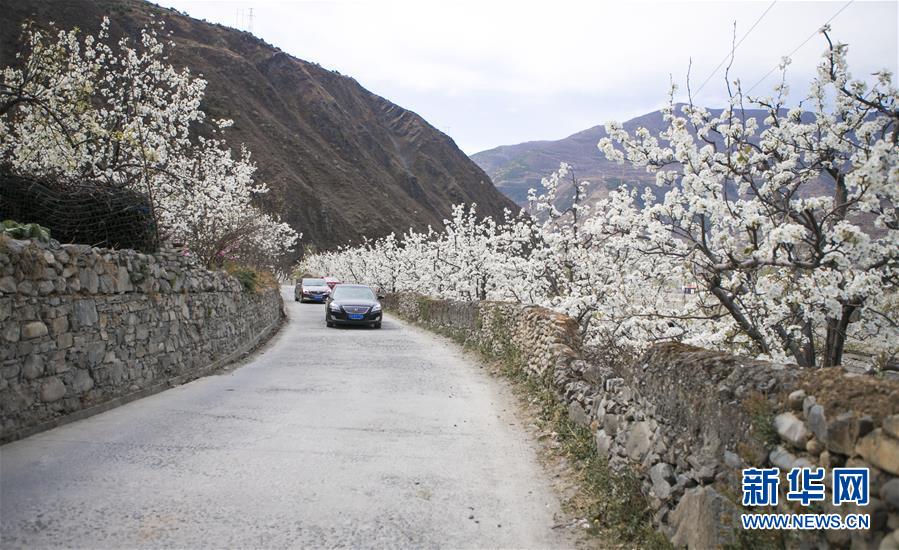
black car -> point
(353, 305)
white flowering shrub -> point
(80, 109)
(797, 272)
(789, 230)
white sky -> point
(494, 73)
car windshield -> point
(353, 293)
(313, 282)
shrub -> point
(252, 279)
(17, 230)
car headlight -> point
(334, 306)
(377, 307)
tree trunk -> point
(734, 310)
(808, 344)
(836, 336)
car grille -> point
(315, 292)
(356, 309)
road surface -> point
(327, 437)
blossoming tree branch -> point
(788, 227)
(85, 110)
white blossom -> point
(789, 229)
(121, 116)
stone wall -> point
(84, 329)
(688, 420)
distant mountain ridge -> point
(515, 169)
(341, 163)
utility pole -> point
(243, 19)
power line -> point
(804, 42)
(737, 45)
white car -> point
(311, 290)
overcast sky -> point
(492, 73)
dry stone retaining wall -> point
(83, 329)
(688, 420)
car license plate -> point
(356, 316)
(316, 297)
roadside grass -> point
(618, 513)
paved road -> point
(327, 437)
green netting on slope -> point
(81, 213)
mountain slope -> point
(342, 163)
(516, 168)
